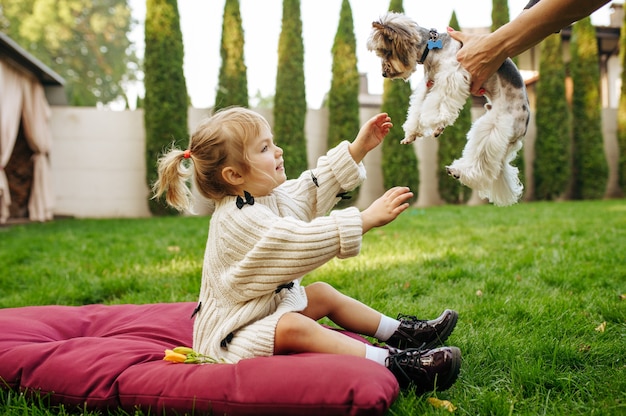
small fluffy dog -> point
(493, 140)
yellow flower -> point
(174, 357)
(188, 356)
(183, 350)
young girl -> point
(267, 232)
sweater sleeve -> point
(260, 250)
(336, 172)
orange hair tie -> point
(187, 154)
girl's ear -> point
(231, 176)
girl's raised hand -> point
(371, 134)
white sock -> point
(376, 354)
(386, 327)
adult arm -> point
(482, 55)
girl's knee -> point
(323, 300)
(320, 289)
(293, 323)
(292, 331)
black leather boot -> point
(418, 333)
(425, 370)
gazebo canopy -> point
(27, 87)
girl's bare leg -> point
(300, 332)
(296, 332)
(348, 313)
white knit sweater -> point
(253, 250)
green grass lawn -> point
(534, 284)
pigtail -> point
(218, 141)
(173, 179)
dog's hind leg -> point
(507, 188)
(485, 152)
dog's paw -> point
(410, 138)
(453, 172)
(437, 132)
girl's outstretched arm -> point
(371, 134)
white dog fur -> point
(493, 140)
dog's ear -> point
(377, 25)
(385, 30)
(383, 37)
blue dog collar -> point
(433, 43)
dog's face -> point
(395, 39)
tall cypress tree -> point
(552, 148)
(451, 143)
(589, 162)
(233, 80)
(621, 113)
(500, 17)
(166, 101)
(343, 98)
(290, 99)
(399, 160)
(499, 13)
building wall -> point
(99, 168)
(98, 163)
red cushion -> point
(112, 356)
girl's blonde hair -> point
(218, 141)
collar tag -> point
(434, 42)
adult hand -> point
(478, 57)
(482, 55)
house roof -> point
(607, 37)
(13, 52)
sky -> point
(201, 26)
